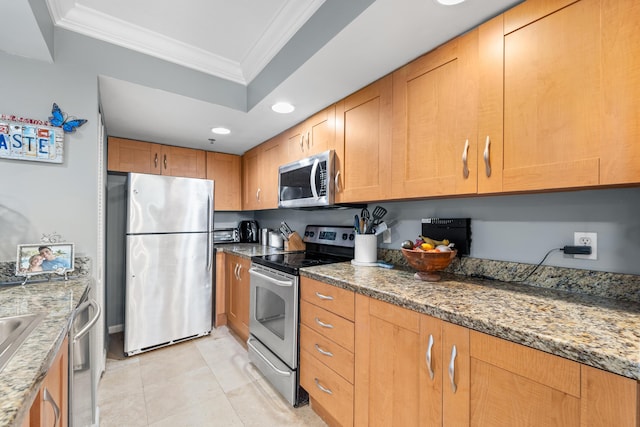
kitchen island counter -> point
(22, 375)
(600, 332)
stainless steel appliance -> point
(169, 261)
(309, 182)
(226, 235)
(248, 231)
(273, 344)
(82, 386)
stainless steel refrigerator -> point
(169, 260)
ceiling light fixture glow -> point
(282, 107)
(449, 2)
(221, 131)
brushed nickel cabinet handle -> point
(155, 161)
(327, 297)
(258, 195)
(56, 410)
(428, 356)
(302, 142)
(309, 141)
(321, 351)
(324, 325)
(452, 369)
(337, 181)
(487, 163)
(465, 165)
(326, 390)
(165, 162)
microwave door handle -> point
(314, 172)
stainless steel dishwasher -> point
(82, 389)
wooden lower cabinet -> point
(407, 373)
(327, 350)
(238, 294)
(53, 393)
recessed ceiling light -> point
(449, 2)
(221, 131)
(282, 107)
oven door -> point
(273, 316)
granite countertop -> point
(22, 375)
(247, 250)
(597, 331)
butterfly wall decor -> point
(69, 124)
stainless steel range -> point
(275, 299)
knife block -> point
(294, 243)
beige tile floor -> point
(204, 382)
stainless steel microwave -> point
(308, 182)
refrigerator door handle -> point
(209, 234)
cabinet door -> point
(621, 92)
(388, 358)
(271, 157)
(51, 405)
(552, 89)
(363, 143)
(186, 162)
(608, 399)
(435, 122)
(238, 295)
(314, 135)
(126, 155)
(251, 179)
(224, 170)
(456, 375)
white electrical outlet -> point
(386, 236)
(582, 238)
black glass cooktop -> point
(290, 262)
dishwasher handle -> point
(91, 322)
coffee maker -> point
(248, 231)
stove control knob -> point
(306, 234)
(345, 236)
(312, 233)
(352, 236)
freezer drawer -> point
(168, 289)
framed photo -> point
(42, 258)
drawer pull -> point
(487, 162)
(327, 297)
(465, 163)
(325, 352)
(56, 410)
(452, 369)
(324, 325)
(429, 365)
(326, 390)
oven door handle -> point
(267, 361)
(283, 283)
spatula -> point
(378, 213)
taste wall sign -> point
(28, 139)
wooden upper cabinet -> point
(251, 179)
(435, 109)
(225, 171)
(126, 155)
(186, 162)
(363, 143)
(551, 100)
(272, 155)
(314, 135)
(620, 160)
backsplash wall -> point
(517, 228)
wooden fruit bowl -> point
(428, 264)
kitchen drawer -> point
(336, 328)
(339, 359)
(336, 300)
(329, 389)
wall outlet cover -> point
(583, 238)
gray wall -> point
(37, 198)
(520, 228)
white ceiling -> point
(235, 41)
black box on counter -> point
(456, 230)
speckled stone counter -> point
(596, 331)
(22, 375)
(247, 250)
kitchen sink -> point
(13, 331)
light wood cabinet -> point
(327, 350)
(226, 172)
(126, 155)
(411, 369)
(238, 294)
(314, 135)
(364, 143)
(51, 405)
(260, 174)
(220, 315)
(435, 105)
(539, 124)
